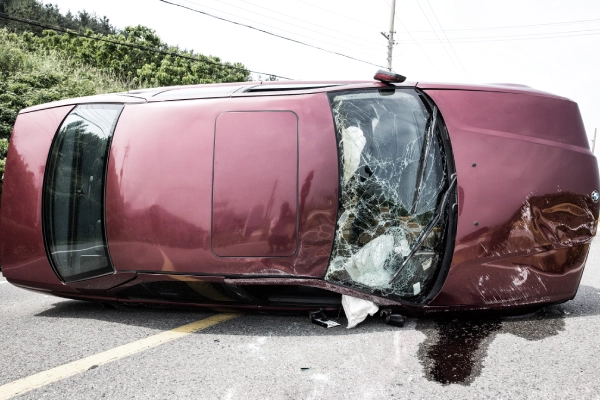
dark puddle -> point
(455, 349)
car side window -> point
(73, 202)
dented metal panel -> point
(437, 198)
(525, 216)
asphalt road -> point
(552, 354)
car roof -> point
(246, 89)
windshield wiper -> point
(423, 161)
(427, 230)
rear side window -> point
(73, 203)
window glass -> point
(393, 181)
(74, 192)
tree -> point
(49, 14)
(143, 59)
(34, 76)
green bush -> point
(3, 151)
(142, 67)
(31, 77)
(49, 14)
(40, 67)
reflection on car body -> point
(415, 197)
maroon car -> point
(418, 197)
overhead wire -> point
(131, 45)
(450, 43)
(494, 38)
(414, 40)
(280, 29)
(307, 22)
(441, 42)
(582, 21)
(523, 36)
(337, 13)
(271, 33)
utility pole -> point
(390, 36)
(594, 141)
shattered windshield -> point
(390, 233)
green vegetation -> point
(3, 151)
(131, 61)
(29, 77)
(38, 66)
(49, 14)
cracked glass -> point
(394, 192)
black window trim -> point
(77, 278)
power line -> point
(132, 45)
(525, 36)
(551, 36)
(270, 33)
(283, 30)
(304, 21)
(271, 26)
(440, 40)
(336, 13)
(415, 40)
(582, 21)
(450, 43)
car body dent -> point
(524, 216)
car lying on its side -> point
(287, 195)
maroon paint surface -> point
(528, 149)
(22, 245)
(102, 98)
(529, 194)
(256, 153)
(159, 213)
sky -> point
(550, 45)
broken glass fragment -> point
(392, 213)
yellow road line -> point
(40, 379)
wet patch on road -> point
(455, 349)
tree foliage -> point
(143, 58)
(49, 14)
(3, 152)
(38, 66)
(29, 77)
